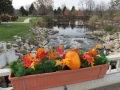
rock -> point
(14, 45)
(18, 40)
(15, 37)
(66, 36)
(22, 51)
(32, 46)
(107, 46)
(9, 44)
(45, 42)
(101, 46)
(79, 41)
(117, 45)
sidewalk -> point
(25, 21)
(109, 87)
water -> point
(78, 33)
(71, 34)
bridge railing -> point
(116, 59)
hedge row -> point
(5, 18)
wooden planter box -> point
(59, 78)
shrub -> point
(5, 18)
(109, 28)
(47, 19)
(92, 20)
(14, 18)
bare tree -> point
(27, 7)
(43, 5)
(101, 8)
(82, 4)
(90, 4)
(115, 3)
(86, 6)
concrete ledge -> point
(4, 72)
(109, 79)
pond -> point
(72, 36)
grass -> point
(7, 32)
(21, 19)
(20, 29)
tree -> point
(64, 9)
(73, 8)
(27, 7)
(83, 5)
(59, 10)
(55, 12)
(31, 9)
(73, 11)
(90, 4)
(100, 9)
(23, 11)
(115, 2)
(43, 5)
(6, 7)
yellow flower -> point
(58, 62)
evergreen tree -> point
(6, 7)
(64, 9)
(31, 9)
(23, 11)
(73, 9)
(55, 11)
(58, 10)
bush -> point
(109, 28)
(92, 20)
(14, 18)
(5, 18)
(47, 21)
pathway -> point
(25, 21)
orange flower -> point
(40, 53)
(28, 56)
(51, 55)
(93, 51)
(29, 61)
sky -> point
(69, 3)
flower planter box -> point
(59, 78)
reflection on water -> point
(73, 31)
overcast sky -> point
(69, 3)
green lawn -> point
(7, 32)
(21, 19)
(20, 29)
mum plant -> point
(57, 59)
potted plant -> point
(57, 67)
